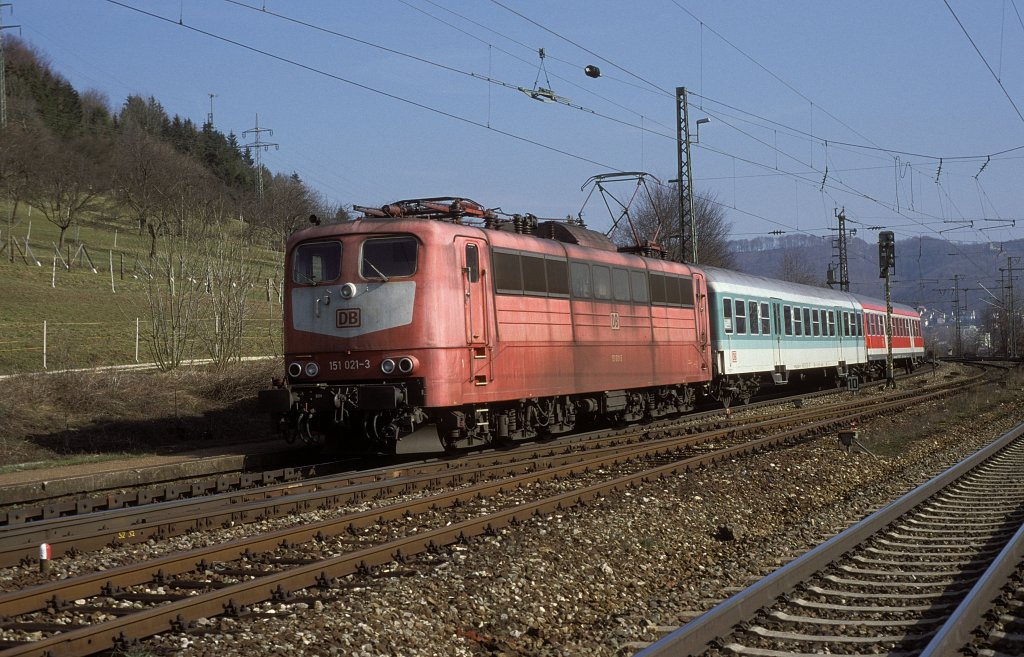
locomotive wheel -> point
(382, 432)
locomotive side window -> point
(534, 275)
(686, 287)
(580, 275)
(638, 281)
(755, 320)
(558, 277)
(602, 281)
(727, 315)
(508, 278)
(672, 293)
(620, 284)
(658, 294)
(388, 257)
(766, 322)
(317, 262)
(741, 317)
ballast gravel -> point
(604, 579)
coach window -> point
(860, 325)
(316, 262)
(727, 315)
(766, 321)
(741, 317)
(815, 322)
(787, 313)
(807, 321)
(797, 323)
(389, 257)
(831, 324)
(638, 281)
(580, 275)
(755, 320)
(620, 284)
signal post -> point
(886, 265)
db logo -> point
(348, 317)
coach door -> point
(475, 287)
(777, 333)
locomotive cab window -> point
(316, 262)
(472, 263)
(388, 257)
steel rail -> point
(105, 635)
(696, 636)
(954, 635)
(139, 524)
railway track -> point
(82, 615)
(917, 577)
(87, 532)
(28, 504)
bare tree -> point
(164, 189)
(15, 158)
(795, 268)
(656, 219)
(231, 273)
(174, 299)
(66, 182)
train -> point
(496, 328)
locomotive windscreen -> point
(389, 257)
(316, 262)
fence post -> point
(136, 339)
(112, 272)
(44, 344)
(53, 274)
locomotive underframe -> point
(378, 415)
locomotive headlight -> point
(295, 370)
(348, 290)
(387, 366)
(406, 365)
(312, 369)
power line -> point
(365, 87)
(989, 67)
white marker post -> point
(44, 558)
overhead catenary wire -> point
(844, 188)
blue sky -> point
(876, 92)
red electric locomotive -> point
(506, 329)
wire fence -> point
(58, 345)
